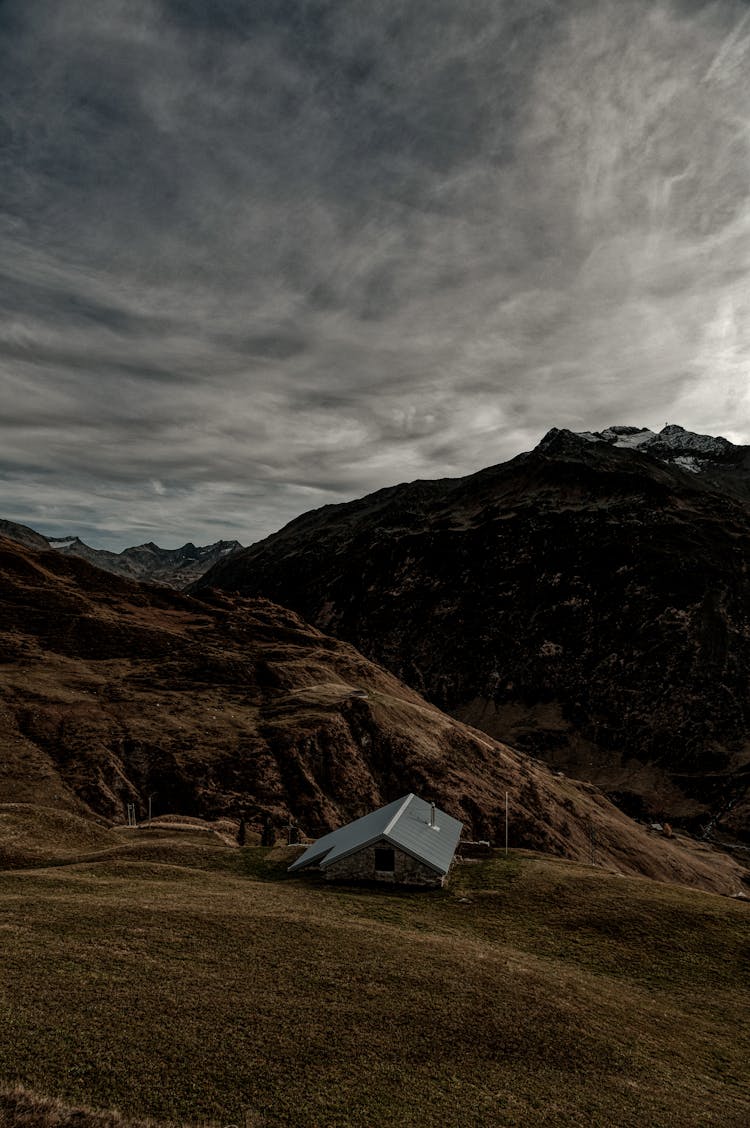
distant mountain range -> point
(176, 567)
(587, 602)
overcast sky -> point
(260, 255)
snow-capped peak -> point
(672, 444)
(63, 542)
(680, 439)
(627, 436)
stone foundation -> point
(361, 867)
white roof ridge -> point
(399, 813)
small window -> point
(385, 859)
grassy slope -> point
(188, 981)
(22, 1108)
(113, 691)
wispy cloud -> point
(269, 255)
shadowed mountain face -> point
(588, 602)
(111, 692)
(175, 567)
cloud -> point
(267, 256)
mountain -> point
(714, 458)
(587, 602)
(113, 691)
(23, 535)
(175, 567)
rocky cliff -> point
(588, 602)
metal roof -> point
(405, 823)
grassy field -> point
(182, 980)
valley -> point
(374, 564)
(547, 634)
(587, 603)
(112, 693)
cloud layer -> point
(258, 257)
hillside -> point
(587, 602)
(214, 988)
(111, 692)
(175, 567)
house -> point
(407, 842)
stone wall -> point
(361, 867)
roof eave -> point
(302, 863)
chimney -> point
(432, 815)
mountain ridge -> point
(175, 567)
(113, 692)
(586, 601)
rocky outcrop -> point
(112, 692)
(23, 535)
(588, 602)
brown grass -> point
(31, 834)
(113, 692)
(529, 992)
(21, 1108)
